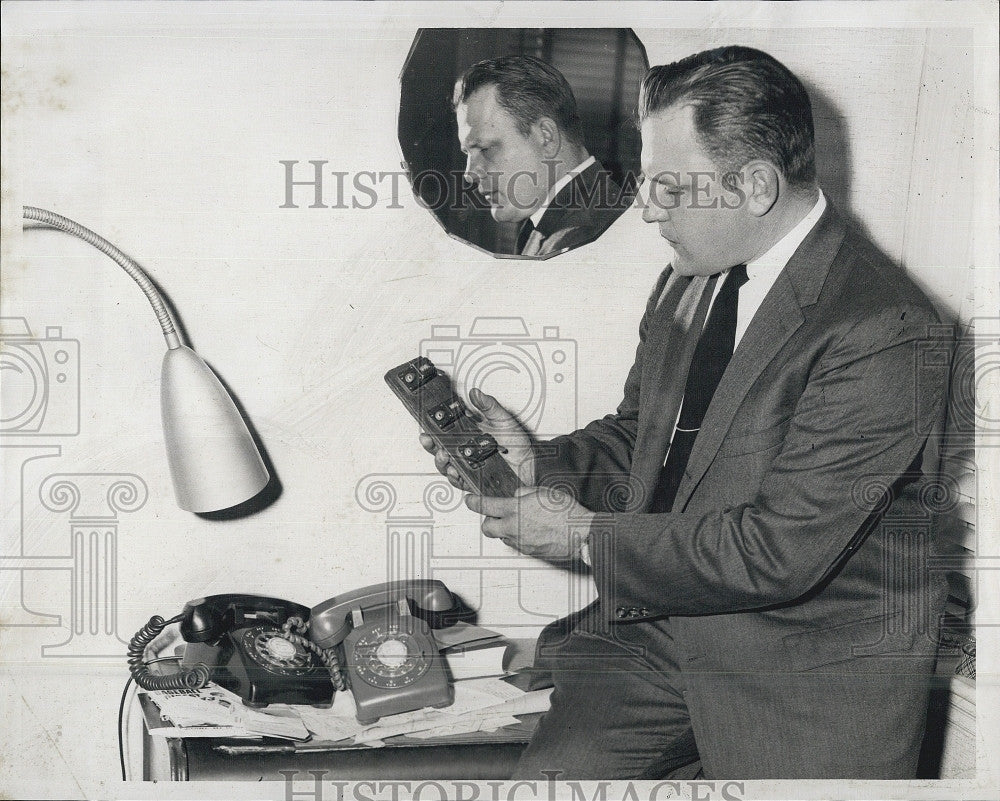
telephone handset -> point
(392, 659)
(265, 650)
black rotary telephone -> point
(377, 641)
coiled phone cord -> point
(187, 679)
(293, 631)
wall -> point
(163, 131)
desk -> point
(948, 752)
(482, 756)
(477, 756)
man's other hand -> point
(513, 439)
(540, 522)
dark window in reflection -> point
(603, 66)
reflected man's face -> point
(705, 223)
(507, 167)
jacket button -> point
(621, 612)
(644, 612)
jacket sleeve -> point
(599, 455)
(863, 413)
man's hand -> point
(540, 522)
(514, 441)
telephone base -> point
(395, 665)
(371, 709)
(253, 696)
(245, 672)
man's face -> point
(705, 222)
(507, 168)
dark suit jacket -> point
(579, 213)
(796, 549)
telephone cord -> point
(186, 679)
(123, 717)
(293, 631)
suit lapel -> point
(778, 317)
(534, 244)
(564, 211)
(673, 332)
(575, 205)
(776, 320)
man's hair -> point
(747, 104)
(528, 89)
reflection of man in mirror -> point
(519, 127)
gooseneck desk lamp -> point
(214, 461)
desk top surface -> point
(520, 655)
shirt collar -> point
(537, 215)
(775, 259)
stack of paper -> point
(480, 705)
(216, 712)
(491, 718)
(472, 651)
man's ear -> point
(549, 137)
(762, 185)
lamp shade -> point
(213, 459)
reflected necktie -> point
(524, 234)
(711, 356)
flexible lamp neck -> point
(127, 263)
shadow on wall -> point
(833, 154)
(834, 170)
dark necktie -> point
(711, 356)
(523, 234)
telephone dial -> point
(377, 641)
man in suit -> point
(752, 511)
(520, 130)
